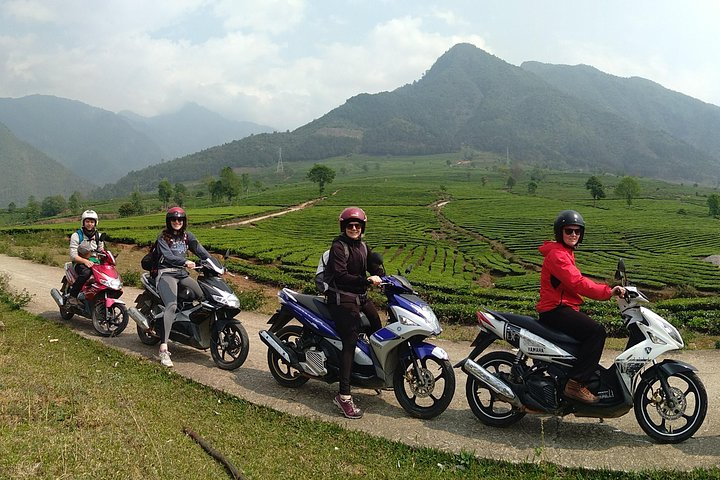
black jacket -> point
(347, 273)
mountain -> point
(471, 98)
(639, 101)
(191, 129)
(27, 171)
(95, 144)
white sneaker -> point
(165, 359)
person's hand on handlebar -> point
(374, 279)
(189, 264)
(618, 291)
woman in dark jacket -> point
(347, 297)
(173, 244)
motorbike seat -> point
(318, 305)
(533, 325)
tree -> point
(510, 183)
(165, 191)
(74, 202)
(245, 182)
(596, 188)
(180, 191)
(137, 203)
(713, 202)
(532, 187)
(32, 211)
(628, 188)
(216, 190)
(230, 183)
(52, 206)
(126, 210)
(322, 175)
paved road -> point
(617, 444)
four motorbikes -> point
(99, 297)
(209, 323)
(669, 398)
(395, 356)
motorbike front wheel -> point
(283, 373)
(671, 420)
(484, 403)
(109, 322)
(229, 347)
(417, 390)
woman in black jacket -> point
(347, 296)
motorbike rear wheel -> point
(229, 347)
(484, 403)
(146, 338)
(109, 322)
(283, 373)
(676, 421)
(65, 312)
(414, 390)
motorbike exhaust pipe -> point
(272, 341)
(139, 318)
(57, 296)
(495, 384)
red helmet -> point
(352, 213)
(175, 213)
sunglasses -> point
(353, 226)
(177, 220)
(572, 231)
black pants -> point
(83, 274)
(584, 329)
(347, 322)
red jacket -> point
(561, 283)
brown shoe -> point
(578, 391)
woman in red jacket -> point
(562, 287)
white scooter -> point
(669, 399)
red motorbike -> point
(99, 297)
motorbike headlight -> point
(228, 299)
(406, 321)
(114, 283)
(672, 331)
(432, 319)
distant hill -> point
(471, 98)
(191, 129)
(639, 101)
(27, 171)
(95, 144)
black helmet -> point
(565, 218)
(175, 213)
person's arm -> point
(562, 267)
(196, 247)
(74, 242)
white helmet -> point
(89, 214)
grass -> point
(74, 408)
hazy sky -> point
(285, 62)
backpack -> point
(150, 261)
(81, 236)
(321, 282)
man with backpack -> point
(84, 243)
(345, 275)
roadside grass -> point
(71, 407)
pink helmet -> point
(352, 213)
(175, 213)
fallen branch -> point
(236, 475)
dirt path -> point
(615, 443)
